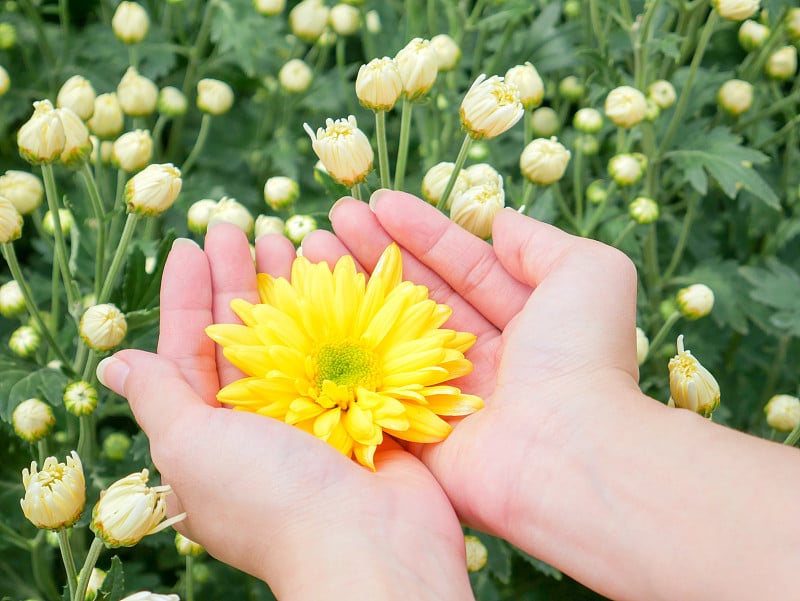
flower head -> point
(308, 19)
(298, 227)
(418, 67)
(55, 495)
(130, 22)
(588, 120)
(475, 209)
(214, 97)
(12, 302)
(736, 10)
(544, 161)
(230, 210)
(378, 84)
(343, 149)
(347, 360)
(691, 385)
(477, 554)
(80, 398)
(627, 168)
(107, 118)
(65, 221)
(435, 181)
(295, 76)
(663, 93)
(447, 52)
(33, 419)
(782, 64)
(783, 412)
(752, 35)
(10, 221)
(24, 341)
(132, 150)
(103, 327)
(23, 189)
(625, 106)
(153, 190)
(281, 192)
(129, 510)
(78, 95)
(137, 94)
(695, 301)
(344, 19)
(529, 83)
(545, 122)
(171, 102)
(199, 214)
(643, 210)
(268, 224)
(186, 546)
(490, 107)
(41, 139)
(735, 96)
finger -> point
(359, 230)
(465, 262)
(321, 245)
(185, 313)
(274, 255)
(233, 275)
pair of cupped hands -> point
(554, 317)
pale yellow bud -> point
(56, 494)
(214, 97)
(24, 341)
(735, 96)
(186, 546)
(544, 161)
(663, 93)
(137, 94)
(129, 510)
(752, 35)
(482, 173)
(269, 8)
(80, 398)
(148, 596)
(627, 168)
(295, 76)
(171, 102)
(230, 210)
(477, 554)
(77, 145)
(78, 95)
(23, 189)
(435, 181)
(199, 215)
(343, 149)
(695, 301)
(597, 192)
(527, 80)
(643, 210)
(793, 23)
(691, 385)
(545, 122)
(378, 84)
(298, 227)
(783, 412)
(308, 20)
(373, 21)
(107, 118)
(571, 88)
(736, 10)
(490, 107)
(33, 419)
(642, 346)
(588, 120)
(12, 302)
(418, 66)
(268, 224)
(132, 151)
(344, 19)
(447, 52)
(65, 222)
(625, 106)
(10, 221)
(782, 64)
(153, 190)
(96, 580)
(130, 22)
(103, 327)
(281, 192)
(5, 81)
(41, 139)
(474, 210)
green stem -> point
(43, 448)
(640, 44)
(119, 257)
(677, 253)
(205, 125)
(528, 191)
(597, 28)
(34, 17)
(133, 55)
(383, 151)
(651, 268)
(621, 236)
(97, 209)
(40, 565)
(86, 431)
(158, 131)
(662, 333)
(776, 365)
(577, 182)
(69, 561)
(562, 204)
(460, 160)
(355, 191)
(189, 579)
(86, 570)
(402, 149)
(13, 264)
(60, 246)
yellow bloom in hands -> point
(347, 360)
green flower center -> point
(347, 364)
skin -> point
(568, 460)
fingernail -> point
(337, 203)
(184, 242)
(376, 195)
(112, 373)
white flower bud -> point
(137, 94)
(41, 139)
(103, 327)
(571, 88)
(783, 412)
(186, 546)
(268, 224)
(597, 192)
(5, 81)
(482, 173)
(663, 93)
(735, 96)
(378, 84)
(447, 52)
(269, 8)
(588, 120)
(752, 35)
(477, 554)
(153, 190)
(643, 210)
(132, 150)
(695, 301)
(130, 22)
(308, 19)
(691, 385)
(625, 106)
(642, 346)
(544, 161)
(80, 398)
(12, 302)
(107, 118)
(418, 66)
(281, 192)
(344, 19)
(129, 510)
(171, 102)
(77, 145)
(148, 596)
(343, 149)
(33, 419)
(230, 210)
(782, 64)
(10, 221)
(56, 494)
(627, 168)
(214, 97)
(299, 226)
(435, 181)
(199, 215)
(24, 341)
(545, 122)
(474, 210)
(295, 76)
(490, 107)
(793, 23)
(23, 189)
(96, 580)
(736, 10)
(65, 222)
(527, 80)
(78, 95)
(373, 21)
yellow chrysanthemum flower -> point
(347, 360)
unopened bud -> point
(12, 302)
(691, 385)
(116, 446)
(543, 161)
(10, 221)
(80, 398)
(782, 64)
(65, 221)
(625, 106)
(783, 412)
(642, 346)
(281, 192)
(344, 19)
(268, 224)
(130, 22)
(378, 84)
(735, 96)
(571, 88)
(435, 181)
(545, 122)
(133, 150)
(527, 80)
(103, 327)
(107, 118)
(308, 20)
(418, 66)
(752, 35)
(475, 209)
(137, 94)
(299, 226)
(477, 554)
(695, 301)
(214, 97)
(295, 76)
(153, 190)
(171, 102)
(588, 120)
(24, 341)
(186, 546)
(627, 168)
(597, 191)
(269, 8)
(230, 210)
(199, 215)
(78, 95)
(23, 189)
(663, 93)
(736, 10)
(33, 419)
(447, 51)
(643, 210)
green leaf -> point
(19, 384)
(113, 587)
(250, 40)
(539, 565)
(777, 287)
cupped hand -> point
(261, 495)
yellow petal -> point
(360, 426)
(365, 454)
(341, 440)
(424, 426)
(459, 404)
(302, 409)
(325, 423)
(244, 310)
(226, 334)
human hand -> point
(264, 496)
